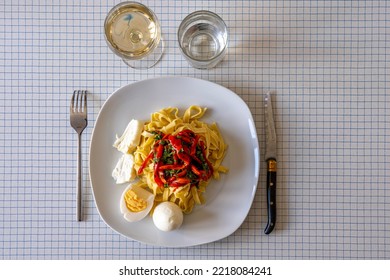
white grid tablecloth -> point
(328, 63)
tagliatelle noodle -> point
(169, 121)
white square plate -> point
(228, 200)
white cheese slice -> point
(124, 170)
(130, 138)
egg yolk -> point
(133, 202)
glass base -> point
(148, 61)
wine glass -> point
(133, 32)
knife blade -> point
(270, 158)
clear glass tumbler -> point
(133, 32)
(203, 39)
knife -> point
(270, 158)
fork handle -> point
(79, 180)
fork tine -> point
(76, 102)
(79, 100)
(72, 102)
(85, 101)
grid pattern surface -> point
(328, 64)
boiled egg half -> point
(136, 203)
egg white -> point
(142, 193)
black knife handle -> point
(271, 195)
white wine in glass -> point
(133, 32)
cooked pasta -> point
(178, 155)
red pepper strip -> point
(176, 143)
(185, 139)
(171, 179)
(186, 149)
(187, 132)
(175, 158)
(162, 178)
(185, 158)
(196, 171)
(194, 145)
(159, 153)
(149, 157)
(183, 181)
(158, 180)
(171, 167)
(179, 182)
(195, 158)
(182, 173)
(202, 174)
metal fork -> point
(78, 120)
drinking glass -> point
(133, 32)
(203, 39)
